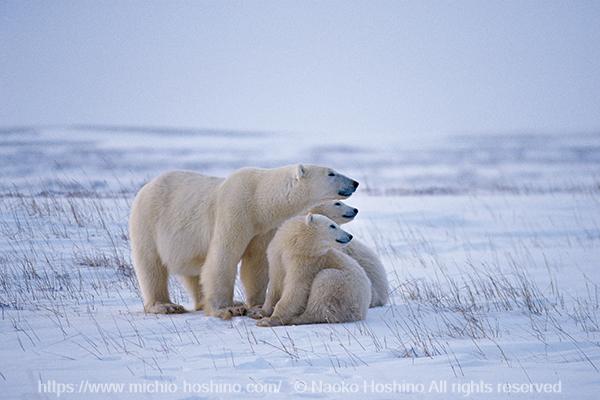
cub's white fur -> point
(199, 227)
(311, 280)
(341, 213)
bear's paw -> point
(165, 308)
(256, 312)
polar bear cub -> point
(342, 213)
(312, 281)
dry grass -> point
(61, 254)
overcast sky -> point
(364, 69)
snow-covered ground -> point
(491, 244)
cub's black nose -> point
(355, 211)
(355, 184)
(350, 237)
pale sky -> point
(364, 69)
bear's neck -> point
(283, 204)
(286, 208)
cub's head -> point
(321, 183)
(325, 233)
(337, 211)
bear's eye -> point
(331, 174)
(332, 226)
(338, 204)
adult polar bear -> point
(199, 228)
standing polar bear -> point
(311, 280)
(341, 214)
(199, 228)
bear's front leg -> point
(293, 300)
(266, 310)
(219, 272)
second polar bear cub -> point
(312, 281)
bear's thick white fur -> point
(311, 281)
(199, 228)
(342, 213)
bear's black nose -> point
(355, 211)
(350, 237)
(355, 184)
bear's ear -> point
(309, 219)
(300, 171)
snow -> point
(491, 245)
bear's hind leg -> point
(153, 279)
